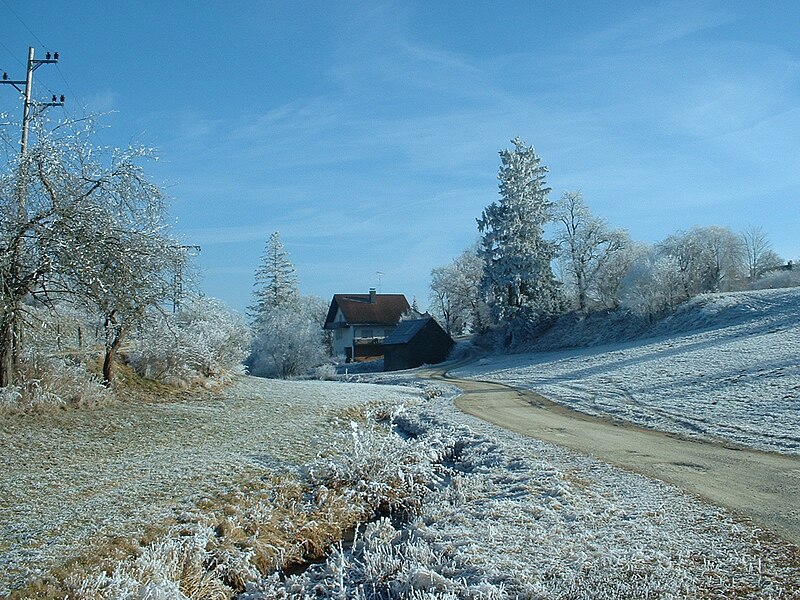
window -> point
(367, 333)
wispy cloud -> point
(657, 24)
(386, 164)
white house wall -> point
(342, 336)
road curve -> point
(761, 485)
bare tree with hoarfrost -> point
(591, 252)
(759, 256)
(652, 286)
(455, 297)
(706, 259)
(288, 337)
(518, 278)
(80, 225)
(724, 250)
(125, 274)
(610, 277)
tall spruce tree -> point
(518, 278)
(288, 338)
(276, 281)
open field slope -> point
(724, 367)
(71, 480)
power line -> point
(71, 91)
(30, 105)
(14, 56)
(8, 6)
(71, 112)
(41, 43)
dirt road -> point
(759, 485)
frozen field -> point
(727, 366)
(73, 480)
(492, 514)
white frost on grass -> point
(726, 366)
(71, 480)
(510, 517)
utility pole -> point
(27, 92)
(11, 334)
(177, 292)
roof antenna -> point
(380, 275)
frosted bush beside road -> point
(509, 517)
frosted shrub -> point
(204, 339)
(778, 279)
(382, 471)
(166, 570)
(287, 343)
(49, 382)
(10, 398)
(326, 372)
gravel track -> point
(759, 485)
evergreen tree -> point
(518, 278)
(276, 280)
(288, 338)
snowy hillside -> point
(724, 366)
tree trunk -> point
(114, 334)
(7, 351)
(580, 282)
(109, 360)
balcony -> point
(362, 341)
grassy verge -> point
(81, 489)
(272, 521)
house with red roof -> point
(360, 323)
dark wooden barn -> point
(416, 342)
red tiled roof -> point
(358, 310)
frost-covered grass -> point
(725, 366)
(278, 521)
(75, 484)
(51, 383)
(505, 516)
(469, 511)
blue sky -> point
(367, 133)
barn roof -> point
(359, 310)
(405, 331)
